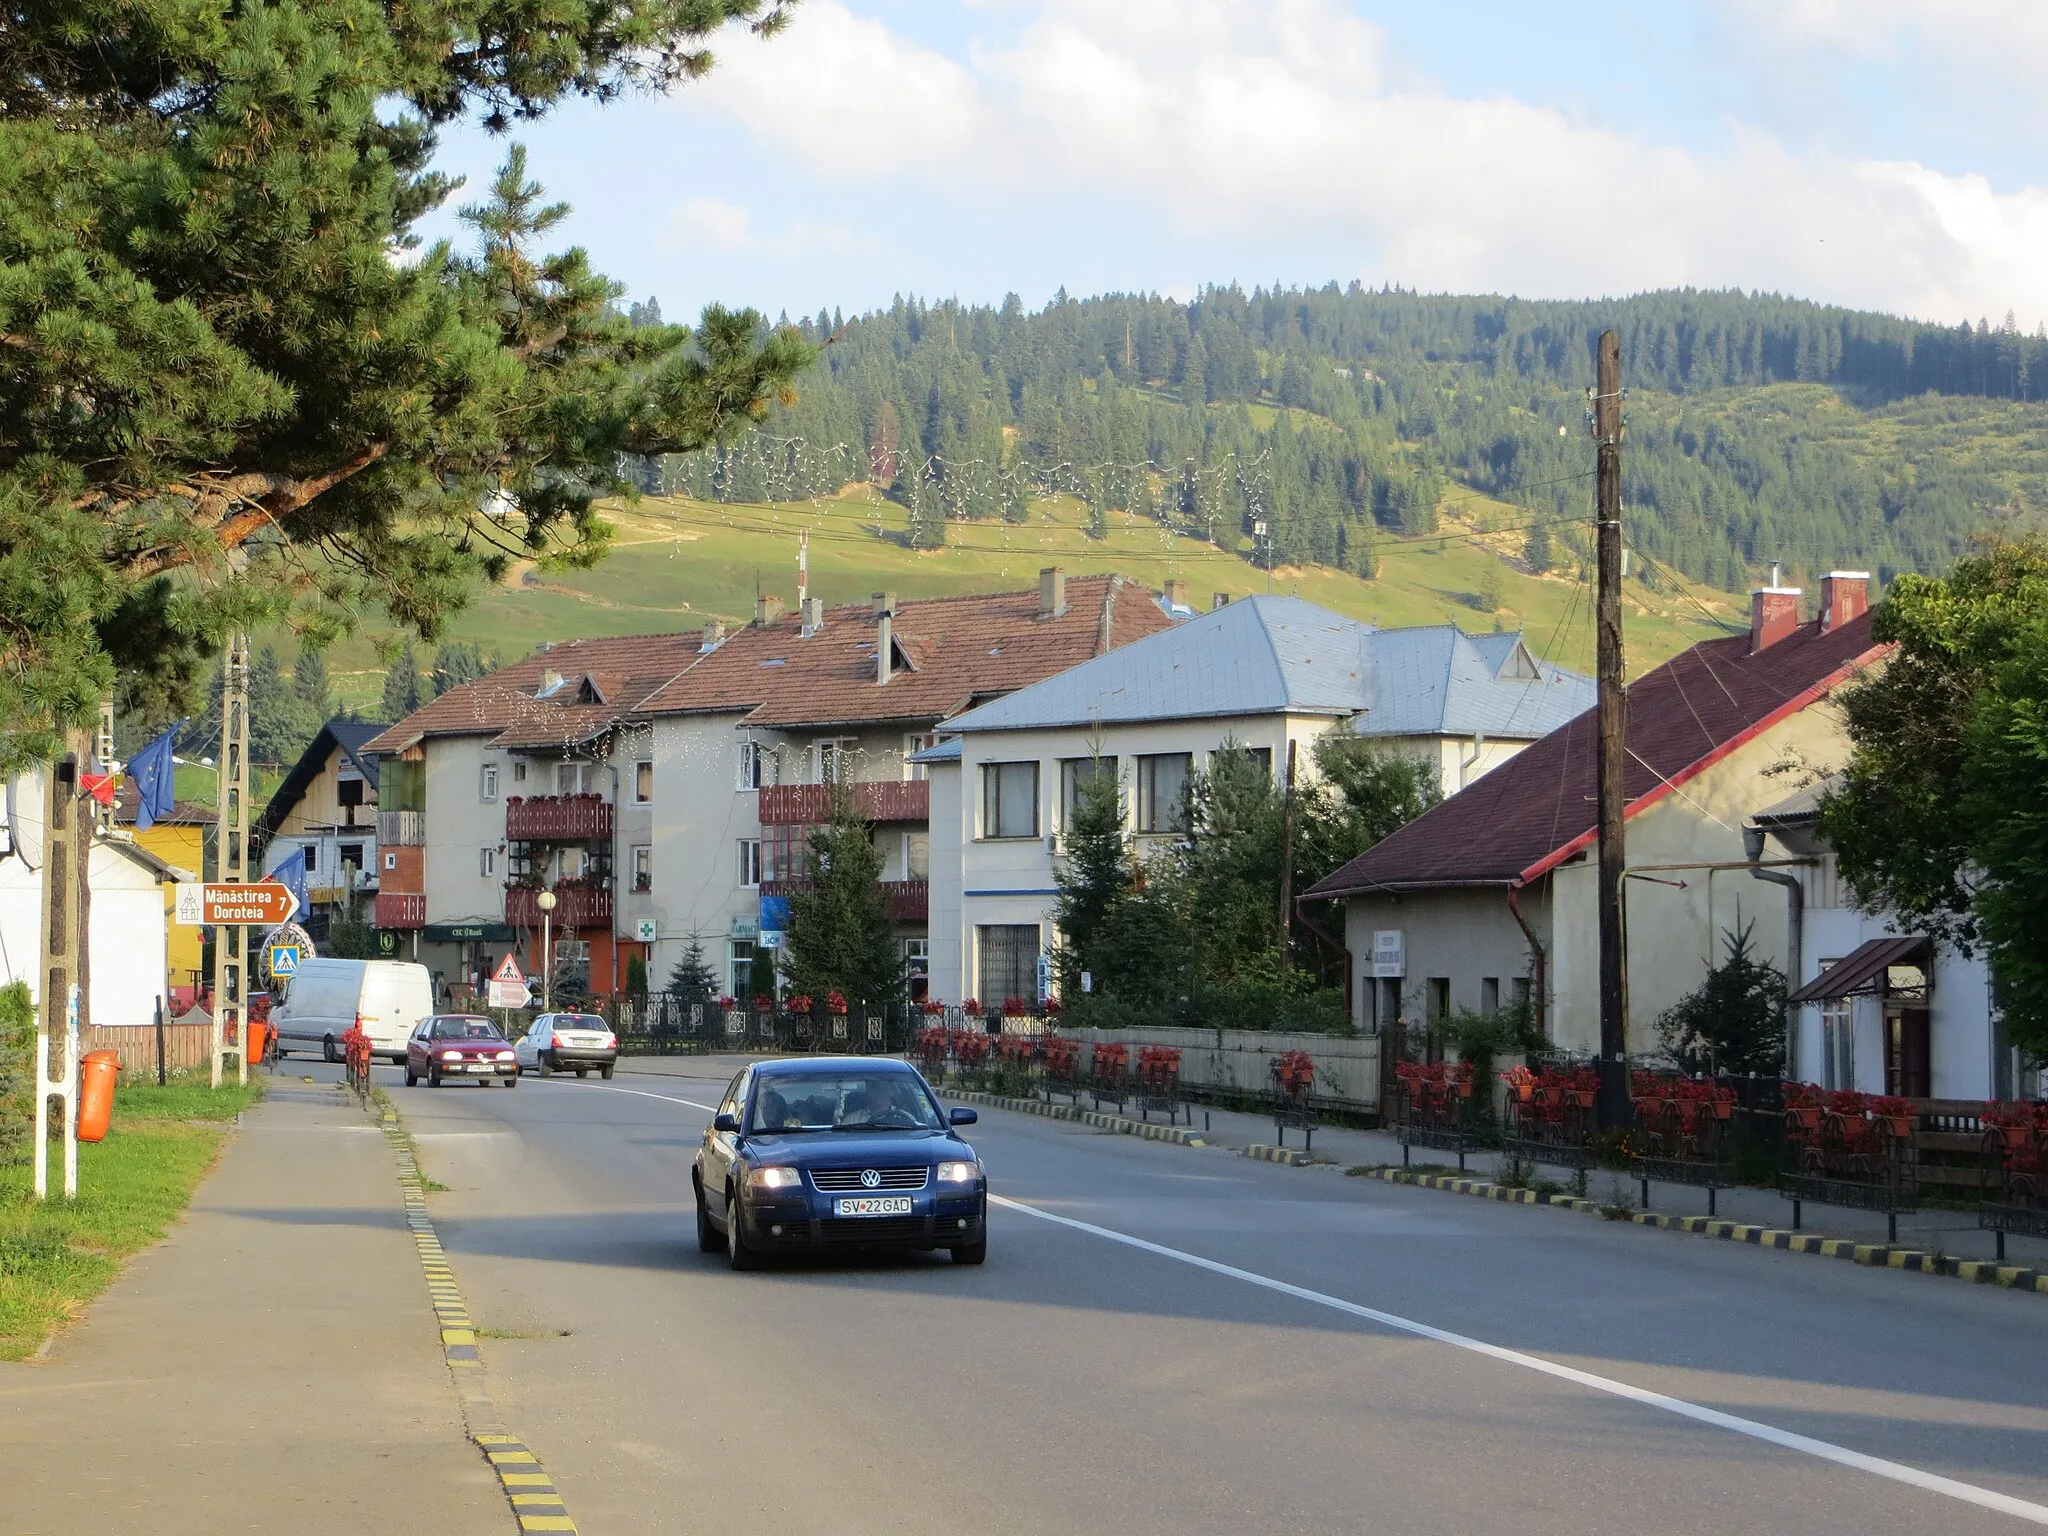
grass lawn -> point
(56, 1256)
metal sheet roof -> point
(1282, 655)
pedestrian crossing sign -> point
(284, 959)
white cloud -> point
(1280, 122)
(713, 223)
(2005, 36)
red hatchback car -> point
(459, 1045)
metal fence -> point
(664, 1025)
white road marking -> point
(1968, 1493)
(638, 1093)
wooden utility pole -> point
(1613, 1106)
(1287, 864)
(231, 862)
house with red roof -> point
(1490, 897)
(663, 786)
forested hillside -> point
(1299, 426)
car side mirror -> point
(726, 1123)
(963, 1117)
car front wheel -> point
(971, 1253)
(737, 1252)
(512, 1081)
(412, 1078)
(433, 1079)
(328, 1050)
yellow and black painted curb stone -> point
(531, 1493)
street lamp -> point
(546, 902)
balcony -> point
(401, 909)
(909, 900)
(558, 819)
(576, 906)
(881, 800)
(402, 829)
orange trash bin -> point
(96, 1093)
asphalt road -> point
(1182, 1341)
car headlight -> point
(506, 1056)
(775, 1178)
(958, 1173)
(451, 1055)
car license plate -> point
(873, 1205)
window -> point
(575, 778)
(391, 861)
(519, 773)
(1263, 756)
(1076, 772)
(1521, 986)
(643, 866)
(487, 862)
(1008, 953)
(750, 861)
(756, 766)
(832, 760)
(913, 744)
(739, 968)
(917, 855)
(917, 967)
(1837, 1038)
(1009, 800)
(352, 855)
(643, 782)
(1163, 791)
(1439, 1000)
(487, 783)
(312, 852)
(348, 791)
(1489, 997)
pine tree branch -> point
(262, 497)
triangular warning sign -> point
(508, 971)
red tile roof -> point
(961, 649)
(1537, 809)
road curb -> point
(1870, 1255)
(1263, 1153)
(1177, 1135)
(528, 1489)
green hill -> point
(677, 562)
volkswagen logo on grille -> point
(869, 1179)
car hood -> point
(833, 1149)
(468, 1047)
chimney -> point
(884, 603)
(767, 609)
(885, 643)
(714, 636)
(1176, 594)
(813, 611)
(1218, 600)
(1773, 614)
(1844, 595)
(1052, 592)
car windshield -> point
(842, 1101)
(466, 1029)
(578, 1021)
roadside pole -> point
(230, 963)
(1613, 1106)
(67, 849)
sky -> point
(1883, 154)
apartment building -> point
(1269, 674)
(663, 787)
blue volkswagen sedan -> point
(837, 1151)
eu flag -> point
(156, 779)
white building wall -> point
(700, 815)
(126, 934)
(1465, 937)
(947, 928)
(1674, 931)
(460, 823)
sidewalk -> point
(272, 1366)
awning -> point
(1855, 971)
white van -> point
(326, 997)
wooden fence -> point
(186, 1046)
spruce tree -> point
(691, 979)
(213, 370)
(404, 691)
(840, 938)
(1093, 873)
